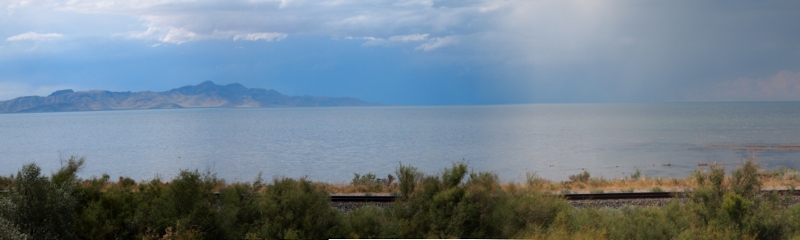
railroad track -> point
(349, 198)
(594, 196)
(605, 196)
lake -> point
(330, 144)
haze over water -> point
(330, 144)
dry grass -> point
(782, 178)
(776, 179)
(345, 188)
(641, 184)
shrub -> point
(736, 206)
(10, 231)
(534, 181)
(445, 206)
(641, 223)
(6, 182)
(179, 232)
(371, 222)
(706, 199)
(389, 179)
(296, 209)
(239, 210)
(453, 176)
(636, 175)
(104, 214)
(193, 201)
(38, 207)
(126, 182)
(188, 199)
(531, 209)
(367, 182)
(581, 177)
(408, 177)
(451, 204)
(69, 167)
(744, 180)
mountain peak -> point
(205, 94)
(61, 92)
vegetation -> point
(455, 203)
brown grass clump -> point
(782, 178)
(597, 184)
(345, 188)
(583, 182)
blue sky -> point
(416, 52)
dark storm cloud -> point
(475, 51)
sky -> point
(412, 52)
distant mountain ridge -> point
(206, 94)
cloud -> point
(409, 38)
(178, 36)
(438, 42)
(783, 86)
(391, 41)
(634, 50)
(33, 36)
(361, 38)
(273, 36)
(179, 21)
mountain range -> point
(206, 94)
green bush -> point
(446, 206)
(188, 199)
(240, 210)
(636, 175)
(69, 168)
(534, 181)
(736, 206)
(452, 204)
(296, 209)
(105, 214)
(581, 177)
(371, 222)
(38, 207)
(367, 182)
(9, 230)
(744, 180)
(452, 177)
(6, 182)
(407, 177)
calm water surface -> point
(330, 144)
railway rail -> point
(593, 196)
(596, 196)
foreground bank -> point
(455, 203)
